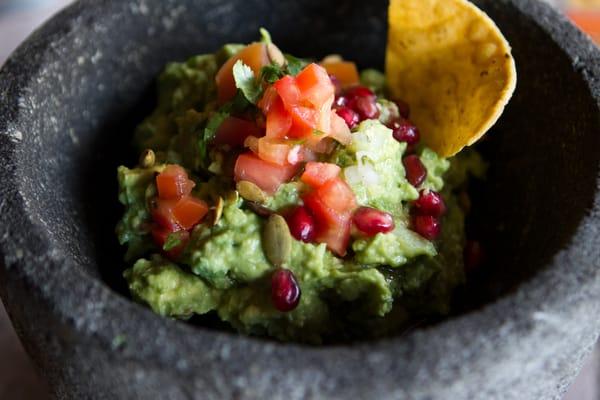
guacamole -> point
(291, 199)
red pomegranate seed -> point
(365, 107)
(415, 170)
(403, 108)
(405, 131)
(285, 291)
(473, 255)
(351, 117)
(302, 224)
(340, 101)
(360, 91)
(427, 226)
(430, 203)
(371, 221)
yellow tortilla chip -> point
(449, 61)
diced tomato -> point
(345, 72)
(315, 85)
(337, 237)
(273, 150)
(279, 121)
(316, 174)
(163, 214)
(254, 55)
(333, 227)
(173, 182)
(304, 122)
(337, 195)
(189, 211)
(233, 131)
(264, 174)
(160, 237)
(339, 129)
(288, 91)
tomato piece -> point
(315, 85)
(333, 228)
(234, 131)
(337, 195)
(160, 237)
(316, 174)
(173, 182)
(163, 214)
(339, 129)
(254, 55)
(288, 91)
(337, 237)
(304, 122)
(345, 71)
(279, 121)
(264, 174)
(189, 211)
(273, 150)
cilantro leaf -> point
(210, 131)
(272, 73)
(173, 240)
(295, 65)
(246, 82)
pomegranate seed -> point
(427, 226)
(371, 221)
(473, 255)
(405, 131)
(285, 291)
(366, 108)
(360, 91)
(430, 203)
(302, 224)
(340, 101)
(415, 170)
(403, 108)
(336, 83)
(352, 119)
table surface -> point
(18, 379)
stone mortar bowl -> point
(69, 99)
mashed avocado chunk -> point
(232, 150)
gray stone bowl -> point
(69, 99)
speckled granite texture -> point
(80, 83)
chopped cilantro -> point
(211, 130)
(272, 73)
(295, 65)
(173, 240)
(246, 82)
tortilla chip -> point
(449, 61)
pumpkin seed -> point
(249, 191)
(275, 55)
(218, 211)
(147, 158)
(277, 241)
(259, 210)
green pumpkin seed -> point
(218, 211)
(249, 191)
(277, 241)
(147, 158)
(275, 55)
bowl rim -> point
(102, 314)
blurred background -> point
(18, 379)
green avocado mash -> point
(383, 282)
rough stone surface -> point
(80, 83)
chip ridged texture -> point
(451, 63)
